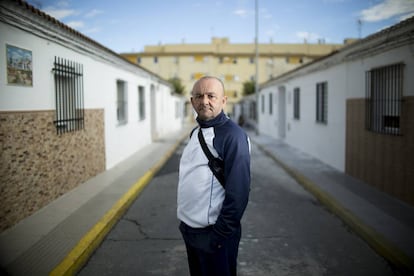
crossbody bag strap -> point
(216, 165)
(204, 146)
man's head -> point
(207, 97)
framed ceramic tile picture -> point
(19, 66)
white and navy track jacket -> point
(201, 200)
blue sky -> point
(129, 25)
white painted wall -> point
(356, 70)
(99, 76)
(170, 111)
(38, 97)
(268, 123)
(324, 141)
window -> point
(251, 60)
(322, 102)
(270, 103)
(141, 103)
(252, 110)
(296, 103)
(200, 59)
(228, 77)
(178, 110)
(294, 60)
(227, 60)
(263, 104)
(122, 102)
(155, 59)
(69, 95)
(230, 93)
(139, 60)
(384, 90)
(197, 75)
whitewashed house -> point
(353, 109)
(70, 108)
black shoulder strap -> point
(191, 134)
(204, 145)
(216, 165)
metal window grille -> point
(384, 90)
(322, 102)
(270, 103)
(122, 103)
(263, 103)
(141, 102)
(70, 112)
(252, 111)
(296, 103)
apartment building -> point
(234, 63)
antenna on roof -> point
(359, 28)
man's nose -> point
(205, 99)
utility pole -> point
(256, 86)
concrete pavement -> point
(59, 238)
(385, 223)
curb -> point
(80, 254)
(377, 241)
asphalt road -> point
(285, 232)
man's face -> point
(208, 98)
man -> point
(210, 213)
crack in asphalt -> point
(144, 235)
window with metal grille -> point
(270, 104)
(70, 112)
(141, 103)
(122, 102)
(263, 104)
(322, 102)
(296, 103)
(252, 110)
(384, 91)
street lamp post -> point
(256, 86)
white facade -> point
(344, 73)
(102, 69)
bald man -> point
(210, 211)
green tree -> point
(248, 88)
(178, 86)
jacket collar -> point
(218, 120)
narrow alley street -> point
(285, 232)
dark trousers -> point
(205, 258)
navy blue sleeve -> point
(232, 145)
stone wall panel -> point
(38, 165)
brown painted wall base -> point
(384, 161)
